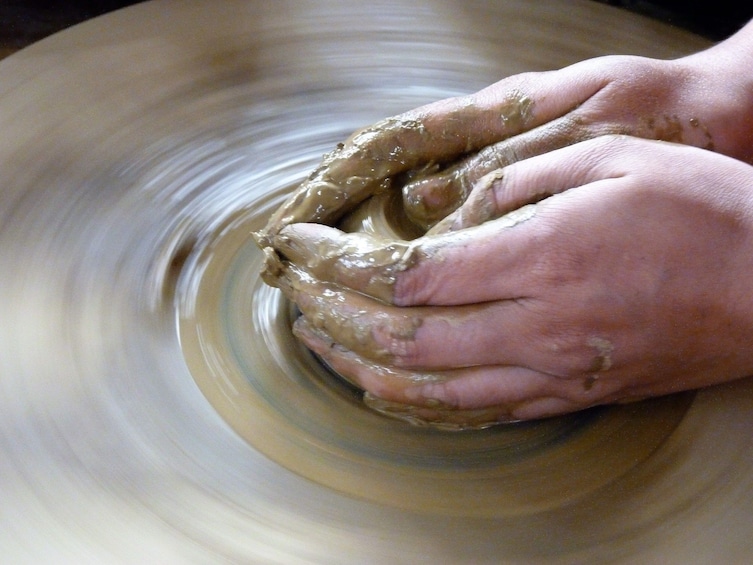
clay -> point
(440, 417)
(359, 168)
(314, 269)
(603, 357)
(393, 378)
(359, 324)
(432, 412)
(367, 262)
(368, 162)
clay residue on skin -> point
(516, 111)
(330, 351)
(364, 261)
(695, 123)
(674, 129)
(368, 139)
(352, 320)
(589, 382)
(482, 206)
(602, 361)
(439, 416)
(353, 171)
(272, 268)
(516, 217)
(430, 199)
(432, 196)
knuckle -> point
(414, 287)
(557, 262)
(417, 283)
(450, 394)
(572, 355)
(396, 336)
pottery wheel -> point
(153, 405)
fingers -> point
(388, 383)
(412, 338)
(429, 199)
(353, 320)
(517, 392)
(439, 270)
(440, 132)
(356, 260)
(508, 190)
(367, 162)
(491, 257)
(470, 397)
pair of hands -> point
(590, 241)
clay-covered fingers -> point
(359, 261)
(509, 193)
(388, 383)
(415, 337)
(465, 397)
(492, 254)
(438, 133)
(486, 263)
(431, 197)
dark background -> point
(24, 21)
(714, 20)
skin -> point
(446, 147)
(573, 260)
(578, 305)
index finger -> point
(440, 270)
(494, 260)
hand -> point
(631, 280)
(438, 152)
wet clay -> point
(363, 261)
(371, 159)
(357, 324)
(370, 163)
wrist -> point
(722, 90)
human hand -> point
(630, 280)
(438, 152)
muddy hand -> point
(361, 338)
(442, 149)
(626, 282)
(697, 100)
(369, 160)
(688, 101)
(423, 140)
(389, 387)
